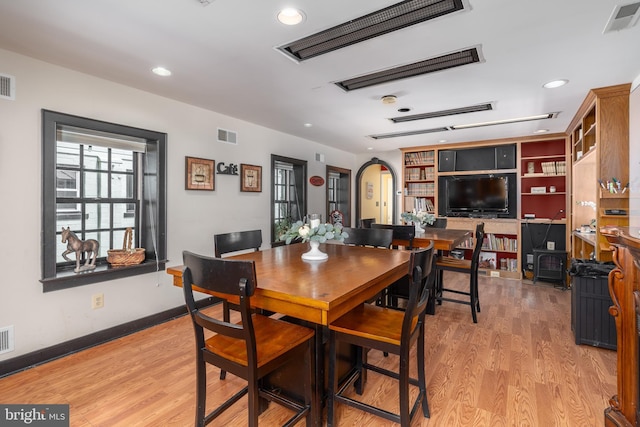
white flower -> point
(304, 231)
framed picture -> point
(488, 260)
(199, 174)
(250, 178)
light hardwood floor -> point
(518, 366)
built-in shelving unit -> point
(599, 136)
(419, 180)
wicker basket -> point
(127, 255)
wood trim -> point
(29, 360)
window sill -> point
(102, 273)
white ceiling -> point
(223, 58)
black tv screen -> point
(481, 194)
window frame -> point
(152, 222)
(299, 169)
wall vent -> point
(227, 136)
(7, 87)
(623, 17)
(6, 339)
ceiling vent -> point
(7, 87)
(623, 17)
(408, 133)
(427, 66)
(383, 21)
(227, 136)
(443, 113)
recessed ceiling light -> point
(542, 131)
(290, 16)
(442, 141)
(389, 99)
(555, 83)
(308, 125)
(369, 148)
(161, 71)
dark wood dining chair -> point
(403, 235)
(372, 327)
(236, 241)
(366, 222)
(250, 349)
(464, 266)
(375, 237)
(400, 289)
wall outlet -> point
(97, 301)
(551, 246)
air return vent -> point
(623, 17)
(6, 339)
(443, 113)
(439, 63)
(7, 87)
(407, 133)
(227, 136)
(383, 21)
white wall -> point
(41, 320)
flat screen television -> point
(483, 195)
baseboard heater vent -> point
(227, 136)
(6, 339)
(7, 87)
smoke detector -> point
(389, 99)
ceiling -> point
(223, 58)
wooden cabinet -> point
(599, 138)
(624, 288)
(419, 180)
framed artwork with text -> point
(250, 178)
(199, 174)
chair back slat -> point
(223, 276)
(366, 222)
(402, 234)
(420, 266)
(376, 237)
(237, 241)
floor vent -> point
(443, 113)
(6, 339)
(7, 87)
(383, 21)
(439, 63)
(227, 136)
(623, 17)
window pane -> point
(97, 216)
(95, 184)
(103, 238)
(124, 215)
(67, 154)
(121, 186)
(96, 157)
(121, 160)
(68, 215)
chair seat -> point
(273, 338)
(450, 263)
(372, 322)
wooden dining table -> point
(318, 292)
(315, 293)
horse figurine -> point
(90, 246)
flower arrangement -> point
(419, 217)
(320, 234)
